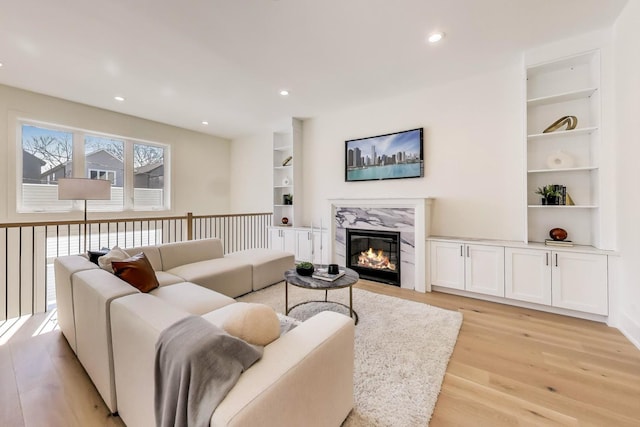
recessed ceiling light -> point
(436, 37)
(204, 122)
(0, 64)
(118, 98)
(284, 92)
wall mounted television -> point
(391, 156)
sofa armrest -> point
(304, 378)
(93, 292)
(65, 267)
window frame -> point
(78, 167)
(106, 173)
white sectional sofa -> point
(305, 377)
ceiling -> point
(225, 61)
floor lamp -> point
(84, 189)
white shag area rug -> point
(402, 349)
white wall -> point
(473, 146)
(627, 70)
(251, 174)
(200, 163)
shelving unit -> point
(286, 178)
(564, 87)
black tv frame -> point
(350, 144)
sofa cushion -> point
(137, 272)
(192, 298)
(181, 253)
(165, 279)
(151, 252)
(254, 323)
(228, 276)
(268, 265)
(115, 254)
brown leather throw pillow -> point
(137, 272)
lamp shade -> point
(84, 189)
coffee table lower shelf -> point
(347, 280)
(354, 315)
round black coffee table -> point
(308, 282)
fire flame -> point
(378, 261)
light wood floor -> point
(510, 367)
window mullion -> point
(128, 175)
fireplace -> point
(374, 254)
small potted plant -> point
(304, 268)
(550, 194)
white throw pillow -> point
(115, 254)
(254, 323)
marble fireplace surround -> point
(410, 217)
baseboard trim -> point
(630, 329)
(523, 304)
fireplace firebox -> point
(374, 254)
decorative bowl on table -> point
(304, 268)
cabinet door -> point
(580, 282)
(276, 239)
(304, 245)
(484, 269)
(447, 264)
(320, 247)
(289, 240)
(528, 275)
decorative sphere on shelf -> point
(285, 220)
(558, 234)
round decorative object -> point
(559, 160)
(305, 271)
(286, 181)
(558, 234)
(285, 220)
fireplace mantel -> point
(410, 216)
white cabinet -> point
(563, 279)
(304, 245)
(484, 269)
(579, 282)
(572, 279)
(312, 246)
(447, 264)
(283, 239)
(565, 157)
(528, 275)
(320, 247)
(475, 268)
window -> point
(100, 174)
(47, 155)
(148, 176)
(104, 159)
(135, 169)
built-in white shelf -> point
(561, 133)
(585, 168)
(283, 167)
(283, 186)
(283, 148)
(562, 97)
(275, 204)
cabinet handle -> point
(556, 260)
(461, 250)
(467, 251)
(546, 256)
